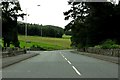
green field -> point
(46, 42)
(66, 37)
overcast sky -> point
(50, 12)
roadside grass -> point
(45, 42)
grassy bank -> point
(45, 42)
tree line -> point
(93, 23)
(40, 30)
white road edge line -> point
(76, 70)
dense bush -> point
(108, 44)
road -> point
(61, 64)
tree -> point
(92, 22)
(78, 13)
(10, 13)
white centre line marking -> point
(66, 59)
(63, 56)
(76, 70)
(29, 71)
(69, 62)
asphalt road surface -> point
(61, 64)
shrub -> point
(114, 46)
(109, 44)
(98, 46)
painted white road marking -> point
(45, 51)
(76, 70)
(69, 62)
(62, 54)
(66, 59)
(29, 71)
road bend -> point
(61, 64)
